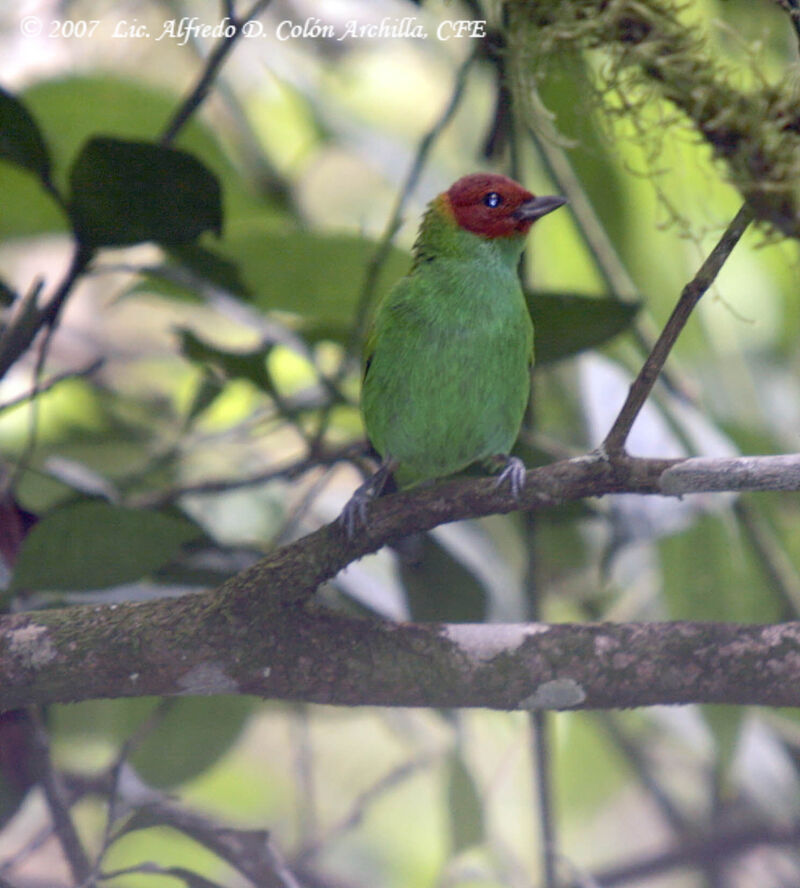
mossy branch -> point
(261, 633)
(650, 43)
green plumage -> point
(447, 364)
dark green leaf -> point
(187, 739)
(21, 141)
(187, 277)
(94, 545)
(569, 93)
(209, 388)
(587, 790)
(725, 723)
(17, 761)
(566, 323)
(195, 733)
(190, 878)
(27, 209)
(127, 192)
(211, 267)
(439, 587)
(464, 806)
(313, 331)
(250, 365)
(7, 295)
(73, 109)
(27, 320)
(318, 276)
(714, 576)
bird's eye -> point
(493, 199)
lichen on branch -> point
(754, 130)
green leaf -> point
(566, 323)
(250, 365)
(438, 586)
(127, 192)
(208, 389)
(464, 806)
(725, 723)
(94, 545)
(27, 209)
(27, 320)
(192, 269)
(17, 760)
(211, 267)
(569, 93)
(713, 575)
(193, 733)
(7, 295)
(21, 141)
(318, 276)
(587, 791)
(73, 109)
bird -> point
(447, 363)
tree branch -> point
(259, 633)
(690, 296)
(63, 826)
(200, 646)
(696, 850)
(214, 62)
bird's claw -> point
(354, 513)
(514, 473)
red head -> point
(496, 206)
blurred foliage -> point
(211, 388)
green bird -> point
(447, 363)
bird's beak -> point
(537, 207)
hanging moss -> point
(756, 132)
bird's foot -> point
(513, 473)
(354, 513)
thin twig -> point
(538, 727)
(33, 417)
(17, 338)
(81, 257)
(538, 722)
(354, 817)
(36, 843)
(188, 877)
(693, 852)
(294, 517)
(304, 775)
(793, 8)
(27, 317)
(58, 805)
(781, 574)
(288, 471)
(637, 761)
(594, 235)
(51, 383)
(250, 851)
(692, 292)
(115, 775)
(201, 89)
(593, 232)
